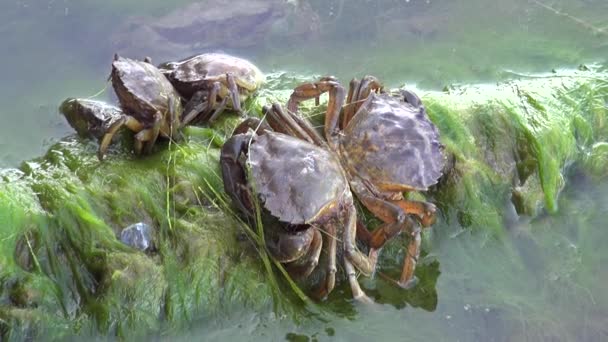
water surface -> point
(543, 281)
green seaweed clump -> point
(64, 272)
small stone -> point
(138, 236)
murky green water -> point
(545, 280)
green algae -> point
(510, 148)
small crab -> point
(386, 145)
(90, 118)
(152, 106)
(208, 80)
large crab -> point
(386, 146)
(151, 104)
(208, 80)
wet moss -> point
(509, 148)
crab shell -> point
(393, 144)
(297, 181)
(143, 90)
(198, 72)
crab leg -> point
(169, 128)
(258, 126)
(349, 109)
(330, 276)
(289, 247)
(352, 256)
(220, 108)
(150, 135)
(124, 120)
(234, 174)
(395, 220)
(310, 260)
(424, 210)
(198, 105)
(311, 90)
(234, 93)
(358, 93)
(291, 124)
(368, 84)
(334, 106)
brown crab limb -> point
(170, 128)
(255, 124)
(349, 108)
(311, 90)
(408, 280)
(310, 260)
(363, 234)
(358, 293)
(124, 120)
(394, 217)
(364, 263)
(234, 174)
(358, 91)
(234, 93)
(424, 210)
(396, 220)
(334, 105)
(330, 276)
(150, 135)
(285, 123)
(220, 108)
(291, 122)
(367, 85)
(281, 123)
(201, 102)
(289, 247)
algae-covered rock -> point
(64, 270)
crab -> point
(386, 145)
(301, 183)
(383, 146)
(208, 80)
(151, 105)
(90, 118)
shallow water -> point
(543, 281)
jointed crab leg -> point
(334, 106)
(233, 172)
(330, 276)
(220, 108)
(353, 256)
(125, 120)
(349, 108)
(357, 93)
(396, 220)
(201, 103)
(424, 210)
(234, 92)
(310, 260)
(292, 124)
(258, 126)
(150, 135)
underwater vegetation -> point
(513, 148)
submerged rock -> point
(90, 118)
(138, 236)
(216, 24)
